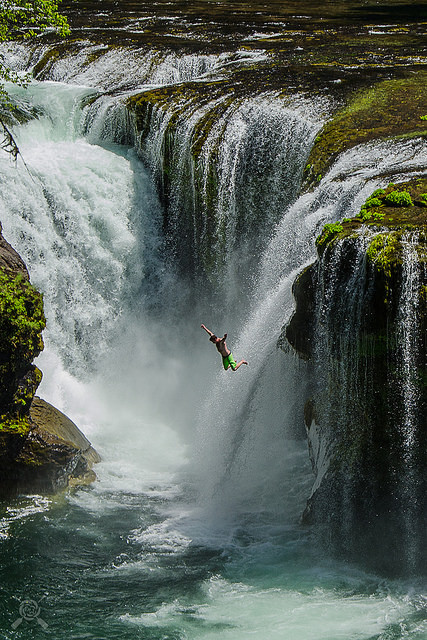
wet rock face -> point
(52, 455)
(10, 261)
(389, 108)
(41, 450)
(21, 324)
(361, 320)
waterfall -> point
(343, 380)
(88, 221)
(76, 230)
(241, 450)
(122, 69)
(366, 398)
(409, 364)
(408, 338)
(193, 526)
(233, 166)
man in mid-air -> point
(227, 357)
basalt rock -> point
(53, 454)
(41, 450)
(361, 321)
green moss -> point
(389, 108)
(383, 250)
(398, 199)
(400, 203)
(14, 424)
(329, 232)
(203, 127)
(377, 193)
(22, 318)
(366, 210)
(373, 202)
(21, 323)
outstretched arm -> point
(207, 330)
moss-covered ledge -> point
(361, 322)
(388, 217)
(390, 108)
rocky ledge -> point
(41, 450)
(361, 323)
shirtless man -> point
(227, 357)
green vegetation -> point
(22, 321)
(398, 199)
(390, 108)
(27, 18)
(22, 19)
(19, 20)
(383, 250)
(329, 232)
(397, 209)
(16, 424)
(21, 317)
(377, 193)
(383, 201)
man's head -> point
(213, 338)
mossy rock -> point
(351, 305)
(388, 109)
(57, 424)
(22, 321)
(47, 454)
(182, 101)
(397, 208)
(187, 159)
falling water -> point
(408, 338)
(266, 405)
(246, 172)
(408, 341)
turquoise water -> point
(104, 563)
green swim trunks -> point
(229, 361)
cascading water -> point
(132, 556)
(408, 333)
(409, 351)
(242, 161)
(369, 470)
(230, 443)
(120, 69)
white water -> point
(408, 331)
(256, 148)
(122, 69)
(408, 340)
(270, 394)
(87, 225)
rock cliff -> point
(40, 449)
(361, 321)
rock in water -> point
(41, 450)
